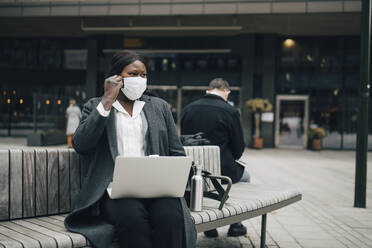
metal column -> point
(263, 231)
(362, 135)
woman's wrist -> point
(107, 103)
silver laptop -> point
(149, 177)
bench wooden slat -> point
(44, 240)
(216, 160)
(199, 157)
(53, 200)
(64, 181)
(258, 203)
(196, 159)
(8, 242)
(188, 151)
(197, 217)
(237, 208)
(58, 217)
(212, 215)
(60, 240)
(217, 212)
(53, 221)
(77, 239)
(29, 183)
(242, 206)
(251, 206)
(26, 241)
(74, 176)
(4, 184)
(16, 190)
(225, 212)
(59, 220)
(205, 216)
(41, 182)
(209, 159)
(231, 209)
(206, 159)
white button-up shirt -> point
(130, 136)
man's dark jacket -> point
(96, 137)
(220, 123)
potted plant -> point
(36, 138)
(258, 106)
(316, 135)
(46, 138)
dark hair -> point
(219, 83)
(121, 59)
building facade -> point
(301, 55)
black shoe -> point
(211, 233)
(237, 229)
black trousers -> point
(145, 223)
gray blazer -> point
(96, 138)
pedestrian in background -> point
(73, 115)
(220, 123)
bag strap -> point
(217, 186)
(222, 195)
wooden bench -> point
(38, 187)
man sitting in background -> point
(220, 123)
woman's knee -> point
(168, 213)
(125, 211)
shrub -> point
(317, 133)
(258, 105)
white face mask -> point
(134, 87)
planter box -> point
(48, 139)
(257, 143)
(55, 138)
(35, 139)
(316, 144)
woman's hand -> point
(112, 88)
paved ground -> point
(324, 218)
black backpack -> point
(194, 140)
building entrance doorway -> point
(292, 118)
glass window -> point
(350, 122)
(188, 64)
(326, 112)
(201, 64)
(327, 69)
(75, 59)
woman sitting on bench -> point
(125, 122)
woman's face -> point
(136, 69)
